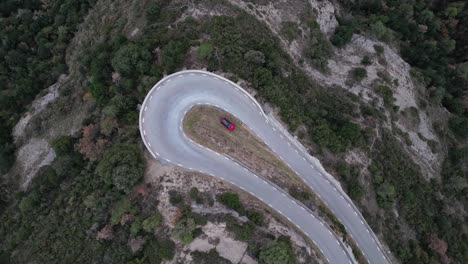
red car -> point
(230, 126)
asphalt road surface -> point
(161, 119)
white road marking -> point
(355, 213)
(146, 108)
(274, 129)
(178, 164)
(348, 204)
(157, 153)
(168, 80)
(303, 209)
(149, 144)
(289, 219)
(151, 97)
(168, 160)
(144, 132)
(143, 120)
(362, 222)
(192, 74)
(283, 194)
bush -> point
(157, 250)
(122, 207)
(379, 49)
(209, 257)
(63, 145)
(131, 59)
(153, 11)
(255, 216)
(195, 195)
(459, 126)
(121, 167)
(381, 31)
(343, 34)
(198, 218)
(299, 194)
(205, 50)
(232, 201)
(278, 252)
(290, 30)
(318, 49)
(366, 60)
(151, 223)
(387, 95)
(183, 230)
(359, 74)
(175, 198)
(242, 232)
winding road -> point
(161, 119)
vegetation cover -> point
(87, 185)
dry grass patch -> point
(202, 125)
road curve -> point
(161, 119)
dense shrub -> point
(232, 201)
(278, 252)
(209, 257)
(343, 33)
(121, 167)
(358, 74)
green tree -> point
(459, 126)
(205, 50)
(122, 167)
(359, 73)
(343, 34)
(232, 201)
(131, 59)
(122, 207)
(151, 223)
(183, 230)
(279, 252)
